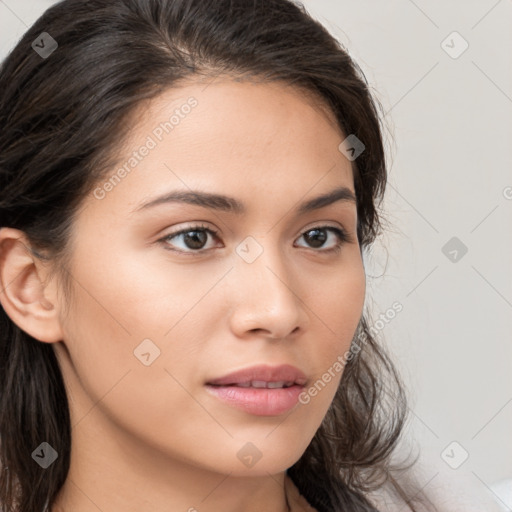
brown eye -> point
(318, 236)
(193, 238)
(196, 240)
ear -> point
(22, 289)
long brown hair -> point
(63, 114)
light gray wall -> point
(450, 143)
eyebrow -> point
(232, 205)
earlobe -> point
(22, 289)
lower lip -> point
(258, 401)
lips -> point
(264, 384)
(263, 377)
(260, 390)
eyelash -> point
(342, 235)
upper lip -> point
(262, 373)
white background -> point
(450, 146)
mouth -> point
(260, 384)
(260, 390)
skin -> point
(152, 437)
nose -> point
(265, 298)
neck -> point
(124, 477)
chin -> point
(250, 458)
(269, 454)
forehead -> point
(251, 139)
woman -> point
(187, 189)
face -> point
(184, 308)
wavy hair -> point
(64, 117)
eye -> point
(317, 237)
(194, 238)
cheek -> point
(140, 299)
(339, 308)
(124, 310)
(108, 321)
(338, 304)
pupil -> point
(192, 241)
(319, 236)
